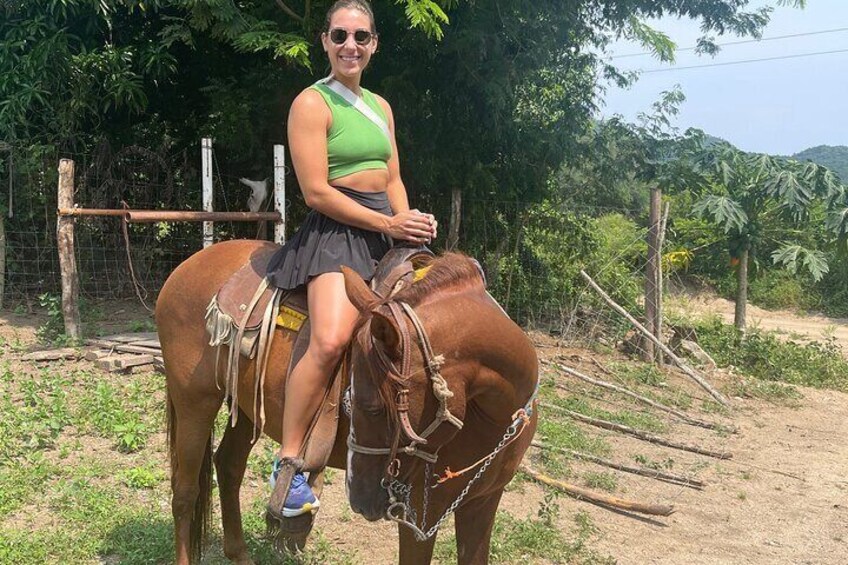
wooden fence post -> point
(208, 191)
(651, 274)
(280, 193)
(67, 259)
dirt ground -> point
(782, 499)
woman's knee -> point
(328, 347)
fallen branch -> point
(600, 366)
(638, 433)
(641, 471)
(677, 360)
(597, 498)
(644, 400)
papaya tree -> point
(761, 200)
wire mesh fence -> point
(532, 253)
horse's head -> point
(407, 398)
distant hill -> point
(834, 158)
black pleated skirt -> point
(323, 245)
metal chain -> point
(402, 488)
(428, 473)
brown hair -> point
(363, 6)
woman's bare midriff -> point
(370, 180)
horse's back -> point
(181, 305)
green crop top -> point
(354, 143)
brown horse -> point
(466, 382)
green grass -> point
(537, 538)
(603, 480)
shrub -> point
(764, 356)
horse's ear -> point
(357, 291)
(384, 330)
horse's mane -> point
(448, 272)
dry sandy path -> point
(785, 322)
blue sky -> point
(778, 107)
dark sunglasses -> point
(360, 36)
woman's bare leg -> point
(332, 318)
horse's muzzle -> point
(369, 501)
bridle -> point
(399, 509)
(433, 364)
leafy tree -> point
(748, 191)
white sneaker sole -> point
(308, 507)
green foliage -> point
(103, 411)
(54, 326)
(765, 356)
(602, 480)
(775, 289)
(534, 538)
(143, 477)
(794, 256)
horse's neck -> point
(478, 330)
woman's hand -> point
(413, 226)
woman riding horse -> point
(344, 152)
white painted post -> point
(208, 192)
(280, 193)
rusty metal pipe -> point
(149, 216)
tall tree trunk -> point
(455, 218)
(741, 290)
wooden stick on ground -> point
(645, 436)
(597, 498)
(123, 347)
(644, 400)
(641, 471)
(677, 360)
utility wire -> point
(804, 34)
(743, 62)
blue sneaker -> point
(300, 499)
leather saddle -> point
(244, 299)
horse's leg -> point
(412, 551)
(230, 463)
(474, 521)
(191, 471)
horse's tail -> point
(201, 518)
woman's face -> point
(350, 58)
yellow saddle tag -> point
(290, 319)
(420, 273)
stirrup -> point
(288, 466)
